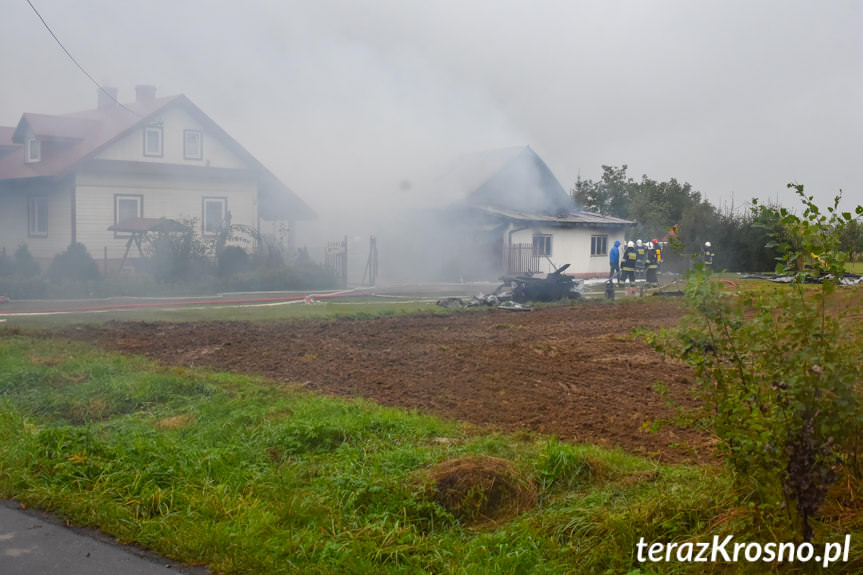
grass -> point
(249, 476)
(354, 307)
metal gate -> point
(521, 258)
(336, 259)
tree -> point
(851, 238)
(610, 196)
(654, 206)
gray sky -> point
(345, 100)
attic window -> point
(153, 141)
(34, 150)
(542, 245)
(193, 145)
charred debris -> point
(517, 290)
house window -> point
(193, 145)
(37, 216)
(215, 215)
(599, 245)
(153, 141)
(127, 207)
(542, 245)
(34, 150)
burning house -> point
(504, 212)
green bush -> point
(26, 265)
(22, 264)
(75, 264)
(233, 260)
(778, 370)
(24, 288)
(307, 276)
(7, 265)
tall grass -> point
(249, 476)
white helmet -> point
(631, 244)
(650, 245)
(638, 243)
(706, 244)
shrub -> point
(299, 277)
(26, 265)
(24, 288)
(178, 256)
(21, 265)
(7, 265)
(778, 370)
(74, 264)
(233, 260)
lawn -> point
(246, 475)
(251, 477)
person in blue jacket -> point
(614, 261)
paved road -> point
(36, 544)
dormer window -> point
(34, 150)
(193, 145)
(153, 141)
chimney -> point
(145, 93)
(106, 97)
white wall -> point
(14, 219)
(571, 245)
(177, 198)
(173, 120)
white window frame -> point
(207, 227)
(37, 216)
(139, 209)
(153, 135)
(542, 245)
(34, 150)
(193, 145)
(594, 239)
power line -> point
(75, 61)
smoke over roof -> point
(512, 178)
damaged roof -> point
(508, 178)
(515, 184)
(572, 217)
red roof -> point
(82, 135)
(93, 130)
(47, 127)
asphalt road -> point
(33, 543)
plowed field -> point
(574, 371)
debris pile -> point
(482, 300)
(845, 280)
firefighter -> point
(652, 264)
(707, 256)
(641, 258)
(627, 266)
(658, 249)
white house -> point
(68, 178)
(511, 215)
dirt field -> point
(572, 371)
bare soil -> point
(573, 371)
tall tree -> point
(609, 196)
